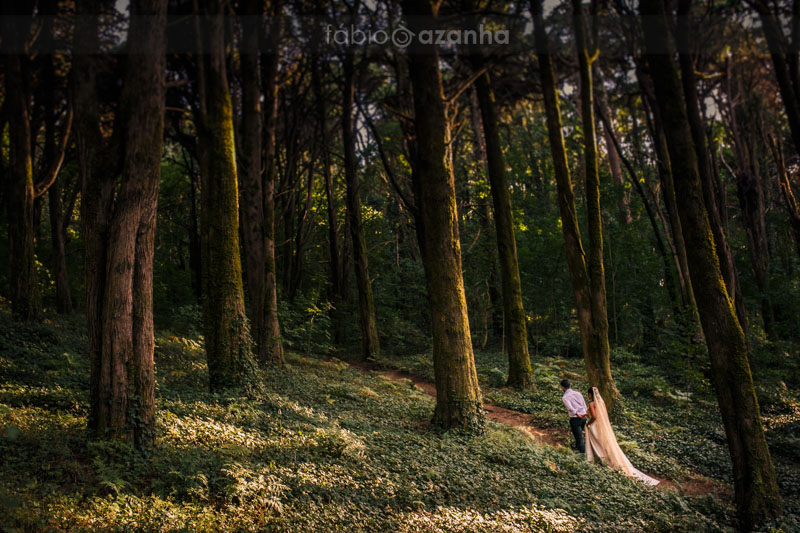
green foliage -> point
(319, 446)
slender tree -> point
(370, 343)
(592, 321)
(118, 213)
(263, 295)
(710, 193)
(458, 396)
(520, 372)
(20, 186)
(757, 497)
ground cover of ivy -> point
(315, 446)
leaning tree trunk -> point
(370, 344)
(599, 373)
(119, 231)
(757, 497)
(224, 322)
(458, 396)
(520, 372)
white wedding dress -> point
(601, 443)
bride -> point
(601, 443)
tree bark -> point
(58, 257)
(263, 330)
(594, 342)
(20, 187)
(227, 342)
(119, 231)
(336, 287)
(370, 343)
(520, 372)
(599, 362)
(692, 106)
(757, 497)
(458, 396)
(668, 187)
(269, 65)
(784, 64)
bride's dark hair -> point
(591, 394)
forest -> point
(400, 265)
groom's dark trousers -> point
(576, 424)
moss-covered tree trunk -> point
(264, 322)
(757, 497)
(520, 372)
(370, 343)
(20, 186)
(598, 360)
(458, 396)
(119, 229)
(710, 192)
(225, 328)
(593, 342)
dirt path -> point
(694, 486)
(521, 421)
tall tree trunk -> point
(224, 322)
(267, 345)
(370, 343)
(520, 372)
(744, 115)
(784, 66)
(614, 161)
(336, 288)
(458, 396)
(598, 362)
(58, 257)
(668, 187)
(593, 342)
(119, 232)
(20, 187)
(269, 76)
(757, 497)
(692, 107)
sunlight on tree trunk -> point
(458, 396)
(227, 341)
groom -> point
(576, 407)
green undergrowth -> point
(319, 446)
(670, 426)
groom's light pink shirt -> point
(576, 406)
